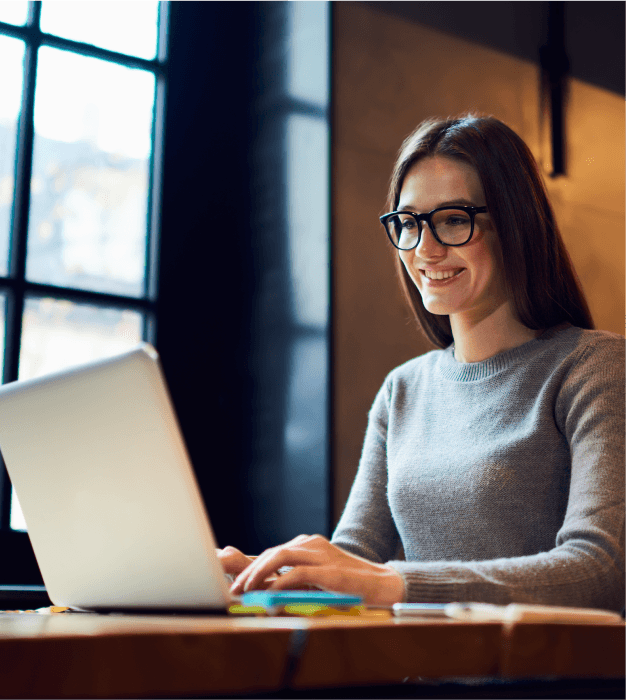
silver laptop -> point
(104, 480)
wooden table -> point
(97, 656)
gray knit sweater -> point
(502, 480)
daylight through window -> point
(81, 89)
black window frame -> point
(212, 291)
(14, 545)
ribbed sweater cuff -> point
(424, 586)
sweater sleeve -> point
(366, 527)
(586, 566)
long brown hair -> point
(538, 273)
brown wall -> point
(388, 75)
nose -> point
(429, 247)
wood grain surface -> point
(99, 656)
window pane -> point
(17, 517)
(14, 11)
(308, 70)
(127, 27)
(11, 60)
(3, 302)
(89, 189)
(307, 215)
(57, 334)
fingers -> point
(317, 563)
(307, 577)
(303, 549)
(233, 561)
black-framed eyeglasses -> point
(451, 226)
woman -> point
(495, 462)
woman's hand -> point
(317, 562)
(233, 561)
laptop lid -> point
(109, 496)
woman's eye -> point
(456, 221)
(408, 224)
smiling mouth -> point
(441, 275)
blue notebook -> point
(275, 599)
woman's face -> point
(476, 288)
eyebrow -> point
(450, 203)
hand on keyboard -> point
(233, 561)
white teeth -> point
(431, 274)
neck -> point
(478, 340)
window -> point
(82, 91)
(307, 137)
(291, 235)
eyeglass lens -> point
(452, 226)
